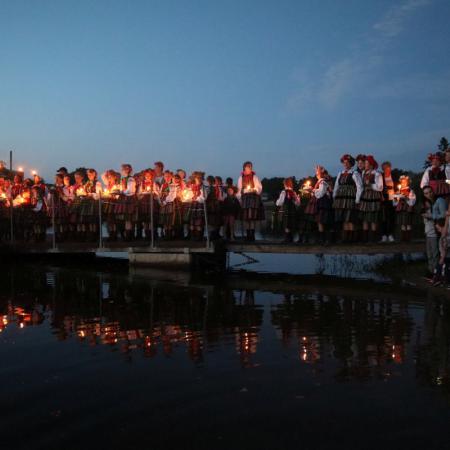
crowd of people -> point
(364, 203)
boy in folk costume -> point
(214, 197)
(197, 209)
(110, 198)
(38, 215)
(89, 208)
(59, 208)
(434, 176)
(387, 204)
(148, 204)
(249, 194)
(231, 210)
(287, 203)
(404, 202)
(126, 204)
(346, 197)
(371, 199)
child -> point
(287, 209)
(249, 194)
(214, 199)
(231, 209)
(441, 272)
(197, 211)
(434, 176)
(110, 196)
(371, 199)
(59, 208)
(38, 216)
(346, 197)
(387, 204)
(89, 209)
(306, 212)
(430, 229)
(126, 205)
(404, 202)
(148, 192)
(172, 214)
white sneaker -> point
(384, 239)
(391, 238)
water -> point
(110, 359)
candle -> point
(80, 192)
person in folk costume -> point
(159, 172)
(110, 198)
(148, 192)
(435, 177)
(231, 210)
(21, 198)
(287, 204)
(346, 197)
(58, 207)
(126, 204)
(404, 202)
(387, 205)
(172, 210)
(306, 223)
(68, 196)
(371, 199)
(249, 194)
(38, 182)
(431, 237)
(163, 193)
(229, 183)
(186, 205)
(359, 167)
(322, 192)
(214, 197)
(89, 209)
(5, 209)
(182, 174)
(197, 210)
(38, 214)
(138, 230)
(360, 163)
(16, 190)
(75, 208)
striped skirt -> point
(252, 207)
(344, 204)
(370, 205)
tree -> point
(443, 144)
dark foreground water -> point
(106, 360)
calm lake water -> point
(109, 359)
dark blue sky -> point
(209, 84)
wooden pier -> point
(196, 255)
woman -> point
(435, 177)
(197, 210)
(126, 204)
(171, 210)
(249, 194)
(110, 196)
(89, 208)
(371, 199)
(346, 196)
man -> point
(387, 207)
(431, 236)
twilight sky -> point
(209, 84)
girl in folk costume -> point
(371, 198)
(197, 211)
(306, 221)
(360, 164)
(75, 209)
(249, 194)
(404, 202)
(287, 203)
(39, 184)
(387, 205)
(214, 197)
(159, 172)
(139, 229)
(148, 203)
(434, 176)
(163, 194)
(231, 210)
(171, 210)
(320, 203)
(89, 209)
(186, 205)
(346, 196)
(126, 204)
(110, 197)
(38, 216)
(22, 210)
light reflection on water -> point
(234, 340)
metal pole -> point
(11, 201)
(152, 227)
(53, 222)
(206, 216)
(100, 229)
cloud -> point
(394, 20)
(342, 76)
